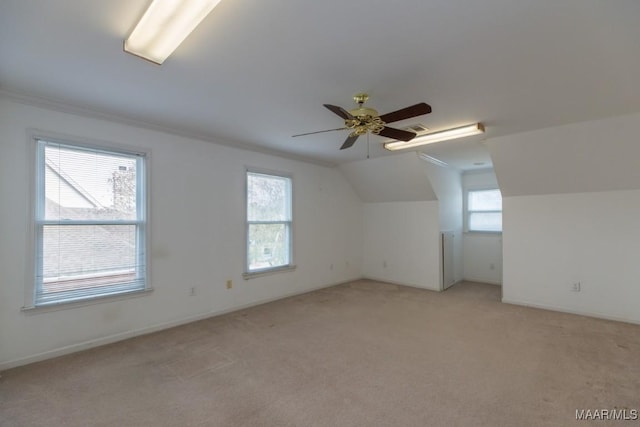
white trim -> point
(66, 305)
(32, 206)
(453, 284)
(410, 285)
(248, 274)
(562, 309)
(35, 138)
(154, 328)
(268, 271)
(86, 142)
(89, 222)
(478, 232)
(488, 282)
(166, 325)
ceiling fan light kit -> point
(443, 135)
(164, 25)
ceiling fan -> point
(364, 120)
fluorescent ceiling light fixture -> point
(165, 25)
(443, 135)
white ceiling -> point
(399, 178)
(256, 72)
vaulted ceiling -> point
(256, 72)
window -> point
(484, 210)
(90, 222)
(268, 221)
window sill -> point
(490, 233)
(260, 273)
(65, 305)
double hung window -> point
(269, 221)
(90, 222)
(484, 210)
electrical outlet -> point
(575, 287)
(331, 267)
(384, 264)
(492, 266)
(229, 284)
(192, 292)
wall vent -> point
(418, 128)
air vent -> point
(418, 128)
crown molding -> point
(93, 113)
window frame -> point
(36, 144)
(289, 225)
(467, 212)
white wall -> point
(483, 258)
(197, 235)
(482, 252)
(571, 197)
(553, 241)
(408, 202)
(599, 155)
(447, 185)
(395, 178)
(401, 219)
(401, 243)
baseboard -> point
(50, 354)
(453, 284)
(287, 295)
(567, 310)
(488, 282)
(393, 282)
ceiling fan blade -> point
(320, 131)
(401, 135)
(406, 113)
(351, 139)
(339, 111)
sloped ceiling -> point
(600, 155)
(256, 72)
(398, 178)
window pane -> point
(83, 255)
(486, 200)
(268, 197)
(87, 184)
(485, 221)
(268, 245)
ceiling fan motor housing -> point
(363, 112)
(365, 119)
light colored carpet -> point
(359, 354)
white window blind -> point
(268, 221)
(484, 210)
(90, 223)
